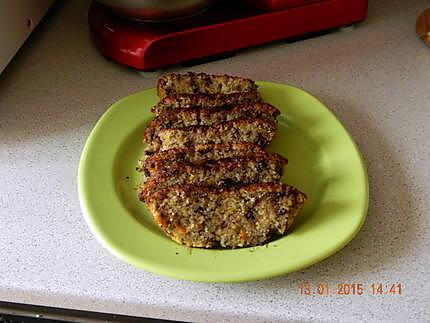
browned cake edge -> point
(188, 188)
(151, 163)
(162, 119)
(225, 163)
(199, 115)
(228, 164)
(227, 125)
(193, 79)
(185, 101)
(219, 128)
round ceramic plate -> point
(323, 162)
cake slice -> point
(197, 155)
(202, 83)
(262, 168)
(257, 131)
(194, 116)
(210, 101)
(229, 218)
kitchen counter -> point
(376, 79)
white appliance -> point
(18, 18)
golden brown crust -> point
(257, 131)
(179, 118)
(209, 101)
(202, 83)
(205, 217)
(221, 191)
(195, 116)
(222, 173)
(198, 155)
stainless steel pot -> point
(157, 10)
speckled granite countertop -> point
(376, 79)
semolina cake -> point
(222, 173)
(202, 83)
(194, 117)
(251, 215)
(208, 181)
(209, 101)
(257, 131)
(197, 155)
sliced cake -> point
(257, 131)
(198, 155)
(210, 101)
(229, 218)
(194, 116)
(202, 83)
(262, 168)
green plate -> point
(324, 163)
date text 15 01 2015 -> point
(351, 289)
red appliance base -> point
(226, 27)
